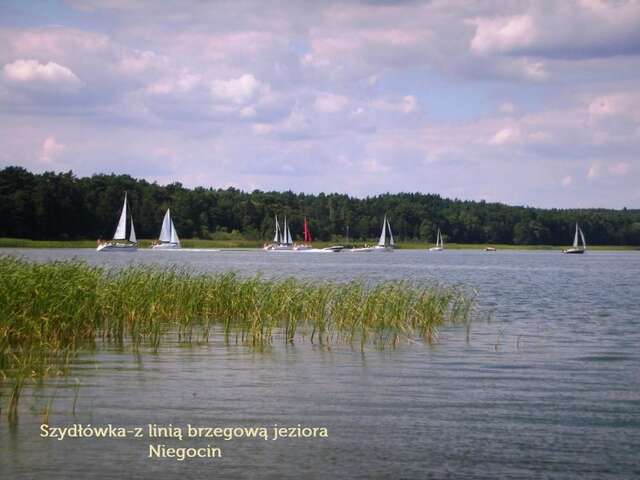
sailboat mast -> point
(383, 236)
(276, 238)
(121, 229)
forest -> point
(59, 206)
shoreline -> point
(256, 244)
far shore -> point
(242, 243)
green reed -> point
(48, 311)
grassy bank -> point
(202, 243)
(49, 312)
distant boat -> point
(490, 249)
(119, 242)
(577, 249)
(333, 248)
(282, 239)
(307, 238)
(168, 235)
(439, 243)
(385, 243)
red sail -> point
(307, 232)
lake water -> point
(545, 385)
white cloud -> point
(531, 90)
(248, 112)
(237, 90)
(183, 83)
(374, 166)
(594, 171)
(262, 128)
(506, 107)
(330, 103)
(620, 169)
(504, 136)
(50, 150)
(567, 181)
(34, 72)
(502, 34)
(409, 104)
(617, 169)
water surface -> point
(545, 385)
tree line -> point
(62, 206)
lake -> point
(545, 384)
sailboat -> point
(119, 242)
(385, 244)
(282, 239)
(576, 248)
(307, 238)
(439, 243)
(168, 235)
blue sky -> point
(529, 103)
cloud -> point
(620, 169)
(32, 72)
(50, 150)
(594, 171)
(313, 94)
(507, 107)
(567, 181)
(503, 34)
(184, 82)
(409, 104)
(236, 90)
(574, 29)
(330, 103)
(504, 136)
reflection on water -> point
(547, 388)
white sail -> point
(441, 239)
(276, 238)
(575, 238)
(286, 233)
(283, 237)
(383, 236)
(584, 243)
(174, 235)
(132, 235)
(165, 231)
(391, 242)
(121, 229)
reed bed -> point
(49, 311)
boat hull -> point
(278, 248)
(436, 249)
(333, 248)
(371, 249)
(117, 247)
(573, 251)
(166, 246)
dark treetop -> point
(62, 206)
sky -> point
(526, 103)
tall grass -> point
(48, 311)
